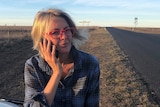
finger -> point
(44, 43)
(49, 46)
(53, 50)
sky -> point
(96, 12)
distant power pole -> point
(85, 22)
(135, 21)
(82, 23)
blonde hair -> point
(41, 21)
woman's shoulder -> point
(34, 57)
(37, 62)
(88, 57)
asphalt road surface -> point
(144, 52)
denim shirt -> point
(79, 89)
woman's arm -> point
(53, 62)
(37, 93)
(51, 87)
(34, 96)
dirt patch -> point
(13, 54)
(120, 85)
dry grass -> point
(120, 85)
(11, 32)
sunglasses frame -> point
(72, 30)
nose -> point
(63, 35)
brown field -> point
(120, 86)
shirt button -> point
(63, 100)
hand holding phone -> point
(50, 55)
(51, 46)
(56, 53)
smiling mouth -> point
(64, 44)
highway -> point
(144, 52)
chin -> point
(65, 50)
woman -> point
(60, 75)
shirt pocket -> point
(79, 85)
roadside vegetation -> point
(120, 84)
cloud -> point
(119, 3)
(44, 2)
(100, 2)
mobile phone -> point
(56, 53)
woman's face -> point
(56, 33)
